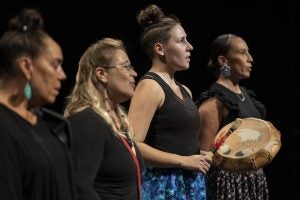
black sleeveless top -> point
(175, 126)
(248, 107)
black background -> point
(268, 27)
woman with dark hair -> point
(164, 117)
(231, 61)
(35, 142)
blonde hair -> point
(89, 91)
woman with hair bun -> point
(164, 118)
(35, 142)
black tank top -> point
(175, 126)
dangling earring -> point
(225, 71)
(27, 91)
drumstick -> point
(223, 136)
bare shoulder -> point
(148, 92)
(211, 106)
(148, 85)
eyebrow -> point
(125, 62)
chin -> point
(247, 76)
(50, 100)
(130, 95)
(187, 66)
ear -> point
(222, 60)
(25, 65)
(159, 49)
(101, 74)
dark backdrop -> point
(269, 28)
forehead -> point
(119, 56)
(238, 43)
(177, 31)
(53, 50)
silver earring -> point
(225, 71)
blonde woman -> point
(107, 161)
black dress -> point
(222, 184)
(35, 159)
(105, 169)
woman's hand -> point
(196, 162)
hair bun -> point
(152, 14)
(27, 20)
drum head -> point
(253, 144)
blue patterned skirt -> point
(172, 184)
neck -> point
(12, 97)
(233, 86)
(167, 77)
(20, 108)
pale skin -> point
(45, 74)
(212, 111)
(149, 97)
(120, 84)
(119, 81)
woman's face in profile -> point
(120, 78)
(47, 74)
(239, 58)
(177, 50)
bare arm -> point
(211, 112)
(147, 98)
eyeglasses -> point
(128, 67)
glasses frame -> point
(128, 67)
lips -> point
(56, 92)
(132, 84)
(188, 57)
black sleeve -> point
(89, 136)
(259, 105)
(10, 171)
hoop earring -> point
(27, 91)
(225, 71)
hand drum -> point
(252, 145)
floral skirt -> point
(172, 184)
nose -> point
(61, 74)
(250, 59)
(133, 73)
(190, 47)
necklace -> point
(234, 89)
(241, 96)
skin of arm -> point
(211, 112)
(149, 97)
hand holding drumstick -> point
(220, 140)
